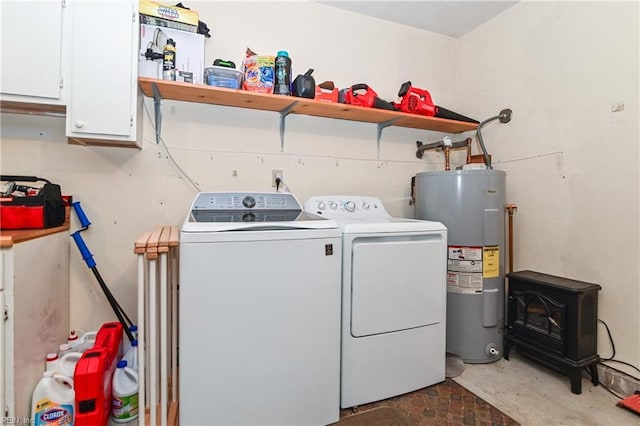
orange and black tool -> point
(418, 101)
(631, 403)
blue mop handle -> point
(81, 216)
(86, 254)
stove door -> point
(540, 319)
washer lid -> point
(232, 211)
(390, 224)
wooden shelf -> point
(285, 105)
(238, 98)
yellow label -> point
(43, 403)
(490, 262)
(172, 13)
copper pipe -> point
(511, 209)
(447, 154)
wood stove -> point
(553, 320)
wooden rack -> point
(157, 310)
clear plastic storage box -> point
(223, 77)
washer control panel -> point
(225, 201)
(346, 206)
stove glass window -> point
(540, 314)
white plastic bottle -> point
(80, 341)
(65, 364)
(53, 400)
(131, 356)
(63, 349)
(124, 404)
(51, 361)
(126, 344)
(73, 338)
(85, 341)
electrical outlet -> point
(276, 173)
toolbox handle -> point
(22, 178)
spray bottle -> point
(169, 60)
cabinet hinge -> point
(64, 3)
(133, 17)
(62, 83)
(6, 412)
(131, 121)
(5, 312)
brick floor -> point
(446, 403)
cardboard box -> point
(189, 51)
(167, 23)
(169, 12)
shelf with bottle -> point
(285, 105)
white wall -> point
(127, 192)
(571, 162)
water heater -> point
(471, 205)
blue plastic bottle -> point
(282, 80)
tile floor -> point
(535, 395)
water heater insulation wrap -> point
(471, 205)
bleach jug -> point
(126, 344)
(53, 400)
(64, 364)
(79, 341)
(124, 405)
(131, 356)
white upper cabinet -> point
(104, 102)
(32, 50)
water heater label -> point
(465, 253)
(465, 269)
(461, 282)
(491, 262)
(464, 265)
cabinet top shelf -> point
(189, 92)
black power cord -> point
(613, 349)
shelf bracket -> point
(158, 112)
(381, 126)
(283, 115)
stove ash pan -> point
(553, 320)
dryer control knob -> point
(321, 205)
(365, 205)
(333, 205)
(350, 206)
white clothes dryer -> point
(393, 299)
(259, 312)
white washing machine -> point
(259, 340)
(393, 299)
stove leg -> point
(506, 350)
(593, 368)
(575, 376)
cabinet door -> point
(103, 71)
(31, 34)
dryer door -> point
(397, 282)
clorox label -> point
(53, 414)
